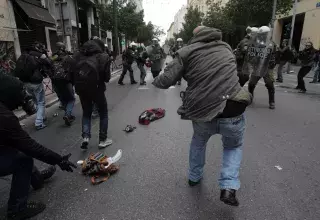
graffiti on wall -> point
(7, 57)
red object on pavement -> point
(151, 115)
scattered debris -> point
(85, 189)
(172, 87)
(55, 115)
(278, 167)
(129, 128)
(100, 167)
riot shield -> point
(258, 55)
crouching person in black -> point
(17, 150)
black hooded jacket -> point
(11, 133)
(95, 47)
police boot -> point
(271, 99)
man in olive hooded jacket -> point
(214, 101)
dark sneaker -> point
(313, 81)
(32, 209)
(68, 120)
(297, 88)
(279, 80)
(228, 196)
(272, 105)
(40, 127)
(302, 91)
(143, 83)
(192, 184)
(85, 143)
(48, 173)
(134, 82)
(120, 83)
(38, 177)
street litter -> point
(100, 167)
(55, 115)
(278, 167)
(151, 115)
(130, 128)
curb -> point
(56, 100)
(49, 104)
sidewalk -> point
(51, 97)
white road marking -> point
(278, 167)
(143, 88)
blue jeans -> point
(316, 70)
(232, 131)
(87, 102)
(37, 90)
(65, 92)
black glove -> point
(66, 165)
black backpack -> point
(86, 76)
(26, 66)
(62, 68)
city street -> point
(279, 174)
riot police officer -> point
(260, 62)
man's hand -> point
(66, 165)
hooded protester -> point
(260, 63)
(156, 56)
(214, 102)
(241, 52)
(307, 58)
(62, 79)
(17, 150)
(91, 72)
(31, 68)
(128, 57)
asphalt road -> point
(152, 181)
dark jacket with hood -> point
(128, 56)
(209, 67)
(95, 48)
(13, 137)
(307, 56)
(42, 66)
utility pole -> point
(293, 22)
(62, 20)
(273, 19)
(292, 29)
(77, 20)
(115, 27)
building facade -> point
(179, 19)
(9, 40)
(202, 4)
(306, 26)
(170, 31)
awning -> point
(36, 12)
